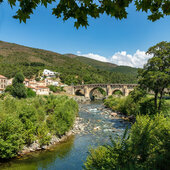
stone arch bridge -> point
(87, 89)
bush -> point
(112, 102)
(26, 120)
(126, 106)
(146, 147)
(101, 158)
(30, 93)
(43, 134)
(123, 105)
(9, 89)
(56, 88)
(11, 139)
(61, 114)
(134, 105)
(149, 141)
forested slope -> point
(75, 69)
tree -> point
(30, 92)
(156, 73)
(19, 89)
(82, 9)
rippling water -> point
(70, 154)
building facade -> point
(49, 73)
(3, 83)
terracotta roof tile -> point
(42, 87)
(31, 87)
(1, 76)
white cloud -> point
(138, 59)
(94, 56)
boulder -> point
(113, 114)
(96, 128)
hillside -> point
(73, 69)
(104, 65)
(92, 62)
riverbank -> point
(34, 122)
(93, 127)
(78, 127)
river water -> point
(70, 154)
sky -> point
(105, 39)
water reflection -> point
(41, 159)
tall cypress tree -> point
(19, 89)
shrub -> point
(134, 104)
(146, 147)
(11, 139)
(9, 89)
(61, 114)
(43, 134)
(30, 93)
(149, 141)
(56, 88)
(26, 120)
(124, 105)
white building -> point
(9, 82)
(3, 83)
(42, 90)
(49, 82)
(55, 83)
(49, 73)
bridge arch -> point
(101, 90)
(117, 92)
(79, 92)
(130, 91)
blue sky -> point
(107, 39)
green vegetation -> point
(147, 144)
(73, 70)
(18, 87)
(82, 10)
(155, 76)
(56, 88)
(117, 93)
(30, 93)
(129, 106)
(27, 120)
(105, 66)
(145, 147)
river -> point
(70, 154)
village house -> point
(42, 83)
(33, 88)
(49, 73)
(26, 82)
(42, 90)
(51, 82)
(3, 83)
(40, 87)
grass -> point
(167, 103)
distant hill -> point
(104, 65)
(74, 69)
